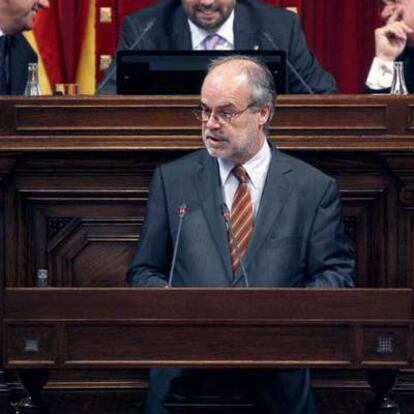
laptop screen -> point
(181, 72)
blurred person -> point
(15, 52)
(237, 24)
(393, 42)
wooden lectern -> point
(116, 328)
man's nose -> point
(212, 122)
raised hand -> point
(391, 39)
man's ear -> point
(264, 115)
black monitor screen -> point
(181, 72)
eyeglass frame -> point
(220, 117)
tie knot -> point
(211, 41)
(240, 173)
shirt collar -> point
(1, 33)
(256, 167)
(225, 31)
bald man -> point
(286, 218)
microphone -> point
(226, 216)
(290, 66)
(182, 211)
(138, 40)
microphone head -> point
(182, 210)
(225, 212)
(268, 38)
(152, 22)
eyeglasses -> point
(222, 116)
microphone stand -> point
(290, 66)
(182, 211)
(108, 76)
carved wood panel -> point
(81, 223)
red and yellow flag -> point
(64, 38)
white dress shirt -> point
(256, 168)
(225, 32)
(380, 75)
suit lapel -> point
(276, 192)
(245, 29)
(180, 31)
(207, 183)
(20, 56)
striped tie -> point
(241, 217)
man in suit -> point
(393, 42)
(286, 218)
(15, 52)
(240, 25)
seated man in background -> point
(393, 42)
(223, 25)
(286, 218)
(15, 52)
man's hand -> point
(391, 39)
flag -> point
(64, 38)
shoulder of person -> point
(19, 44)
(268, 11)
(189, 162)
(305, 171)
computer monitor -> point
(181, 72)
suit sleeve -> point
(152, 261)
(330, 259)
(307, 65)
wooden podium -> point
(205, 328)
(66, 328)
(74, 176)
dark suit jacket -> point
(407, 57)
(252, 17)
(298, 238)
(20, 55)
(298, 241)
